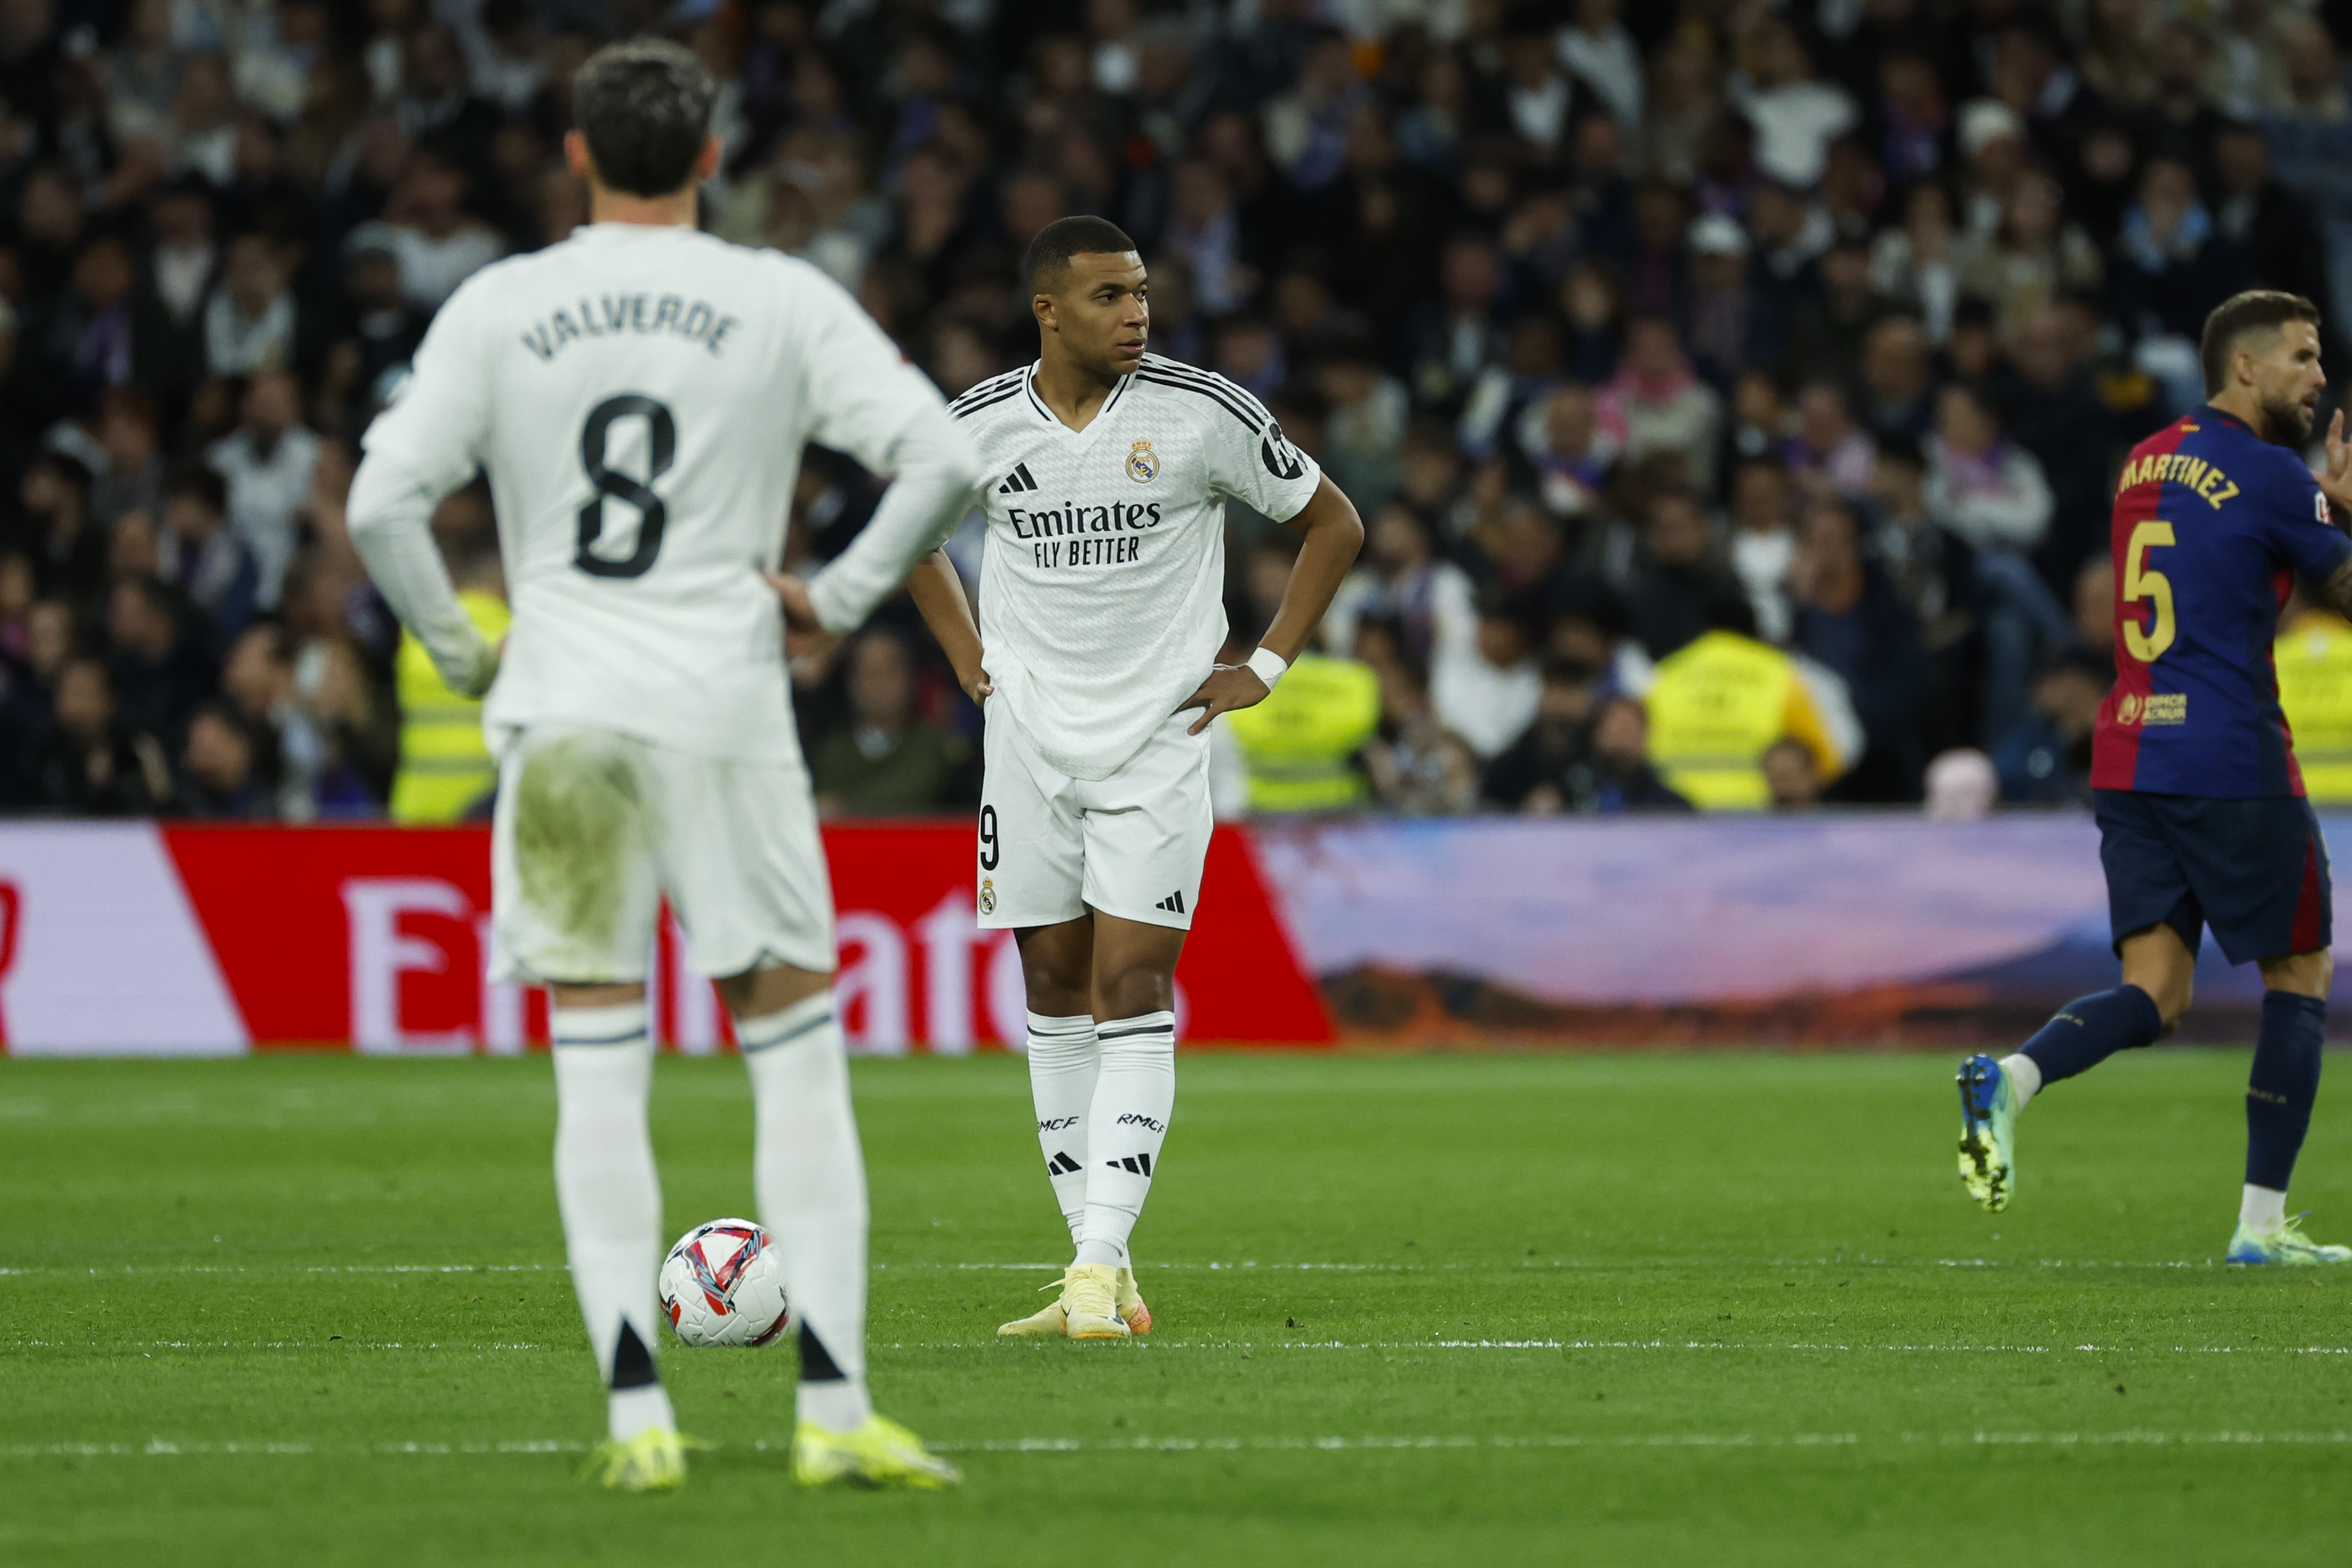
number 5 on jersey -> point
(2144, 643)
(661, 450)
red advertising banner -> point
(211, 940)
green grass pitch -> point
(1687, 1308)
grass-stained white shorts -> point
(1052, 848)
(593, 828)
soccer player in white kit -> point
(640, 394)
(1106, 471)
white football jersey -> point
(1102, 581)
(640, 396)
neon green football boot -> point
(1988, 1133)
(652, 1461)
(2286, 1245)
(879, 1453)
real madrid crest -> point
(987, 895)
(1142, 463)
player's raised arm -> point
(418, 450)
(879, 408)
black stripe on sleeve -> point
(1212, 393)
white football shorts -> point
(593, 828)
(1052, 847)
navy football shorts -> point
(2255, 871)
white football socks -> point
(809, 1177)
(1135, 1091)
(2024, 1077)
(1063, 1059)
(2261, 1210)
(609, 1197)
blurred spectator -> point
(887, 758)
(1622, 777)
(1990, 495)
(1764, 542)
(2045, 760)
(249, 325)
(1851, 621)
(1415, 765)
(2314, 656)
(1719, 703)
(447, 772)
(90, 764)
(2051, 409)
(267, 464)
(1655, 404)
(202, 556)
(1299, 746)
(130, 475)
(220, 771)
(54, 527)
(1562, 437)
(1791, 777)
(1961, 785)
(1401, 577)
(1677, 590)
(159, 671)
(1483, 683)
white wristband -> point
(1269, 665)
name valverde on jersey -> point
(1102, 580)
(2211, 524)
(640, 396)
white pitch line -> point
(256, 1345)
(1804, 1347)
(307, 1269)
(164, 1448)
(1512, 1264)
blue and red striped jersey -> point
(2211, 523)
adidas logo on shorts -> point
(1173, 903)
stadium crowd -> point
(1732, 395)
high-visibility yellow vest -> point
(1299, 743)
(444, 765)
(1718, 706)
(2315, 679)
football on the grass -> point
(722, 1284)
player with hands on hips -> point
(640, 395)
(1106, 470)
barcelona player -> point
(2200, 808)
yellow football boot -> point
(879, 1453)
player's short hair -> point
(2255, 311)
(644, 108)
(1050, 252)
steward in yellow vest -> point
(1718, 706)
(444, 765)
(1300, 744)
(2315, 681)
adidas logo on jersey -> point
(1017, 482)
(1173, 903)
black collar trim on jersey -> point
(1117, 392)
(1035, 402)
(1208, 389)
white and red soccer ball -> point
(723, 1284)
